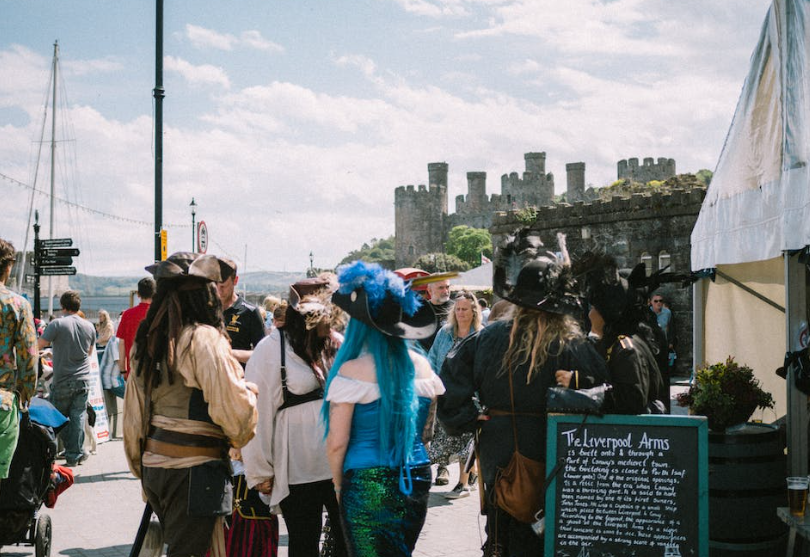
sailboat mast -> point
(53, 165)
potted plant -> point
(726, 393)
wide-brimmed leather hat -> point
(184, 264)
(380, 299)
(527, 274)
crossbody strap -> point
(285, 394)
(512, 403)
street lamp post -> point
(193, 229)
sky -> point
(291, 123)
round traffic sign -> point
(202, 237)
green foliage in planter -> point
(726, 393)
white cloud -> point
(437, 8)
(204, 74)
(527, 66)
(364, 64)
(207, 38)
(255, 40)
(203, 38)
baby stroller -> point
(30, 479)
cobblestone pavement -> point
(99, 515)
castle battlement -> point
(629, 169)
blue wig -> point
(399, 404)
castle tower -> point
(419, 215)
(437, 176)
(575, 175)
(536, 164)
(476, 190)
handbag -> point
(519, 487)
(562, 400)
(246, 501)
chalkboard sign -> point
(628, 486)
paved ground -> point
(99, 515)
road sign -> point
(54, 271)
(30, 279)
(58, 252)
(56, 243)
(164, 250)
(58, 261)
(202, 237)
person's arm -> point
(441, 345)
(42, 343)
(133, 425)
(27, 356)
(337, 441)
(231, 404)
(456, 409)
(257, 455)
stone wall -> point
(653, 228)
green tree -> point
(468, 244)
(440, 263)
(704, 175)
(377, 251)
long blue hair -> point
(399, 404)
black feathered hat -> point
(527, 274)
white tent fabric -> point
(479, 278)
(758, 203)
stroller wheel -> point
(42, 540)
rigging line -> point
(87, 209)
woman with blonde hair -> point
(509, 366)
(464, 319)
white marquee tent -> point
(754, 218)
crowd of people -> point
(343, 397)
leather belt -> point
(181, 451)
(185, 439)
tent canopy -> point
(758, 202)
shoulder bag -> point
(519, 487)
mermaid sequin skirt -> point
(378, 519)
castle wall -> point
(629, 169)
(627, 229)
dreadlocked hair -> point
(535, 336)
(176, 304)
(307, 344)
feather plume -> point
(378, 284)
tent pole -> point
(698, 325)
(796, 328)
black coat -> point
(474, 367)
(634, 375)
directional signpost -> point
(51, 258)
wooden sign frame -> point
(614, 441)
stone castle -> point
(422, 220)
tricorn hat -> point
(307, 287)
(527, 274)
(380, 299)
(183, 264)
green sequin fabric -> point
(378, 519)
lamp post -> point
(193, 230)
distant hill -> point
(257, 284)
